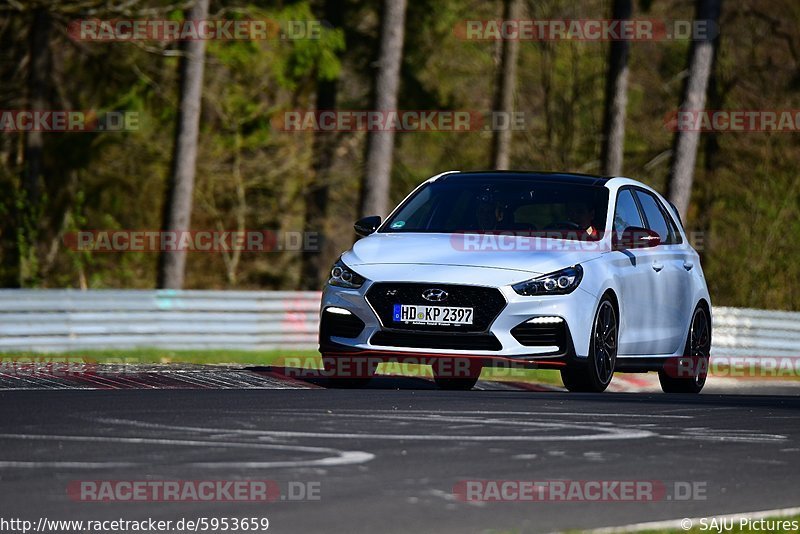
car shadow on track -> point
(315, 377)
(487, 389)
(663, 403)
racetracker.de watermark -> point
(123, 491)
(734, 120)
(585, 30)
(116, 30)
(55, 366)
(29, 120)
(347, 367)
(544, 241)
(578, 490)
(415, 121)
(192, 241)
(787, 367)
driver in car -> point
(582, 215)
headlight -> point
(557, 283)
(343, 276)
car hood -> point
(508, 253)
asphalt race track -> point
(387, 459)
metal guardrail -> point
(748, 332)
(67, 320)
(62, 320)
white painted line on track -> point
(677, 523)
(592, 415)
(67, 465)
(601, 433)
(635, 434)
(337, 457)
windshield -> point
(525, 207)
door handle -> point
(688, 265)
(657, 266)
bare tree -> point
(178, 205)
(616, 97)
(506, 85)
(324, 149)
(380, 145)
(684, 150)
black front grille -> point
(338, 325)
(541, 334)
(486, 304)
(428, 340)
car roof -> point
(534, 176)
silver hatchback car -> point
(584, 274)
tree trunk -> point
(616, 97)
(38, 74)
(506, 85)
(178, 205)
(380, 145)
(313, 269)
(29, 213)
(684, 151)
(711, 152)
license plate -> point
(438, 315)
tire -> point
(698, 348)
(595, 375)
(445, 380)
(332, 368)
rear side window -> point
(657, 220)
(627, 213)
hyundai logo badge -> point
(435, 295)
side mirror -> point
(367, 225)
(634, 237)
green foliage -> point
(252, 175)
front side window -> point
(626, 214)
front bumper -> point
(576, 311)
